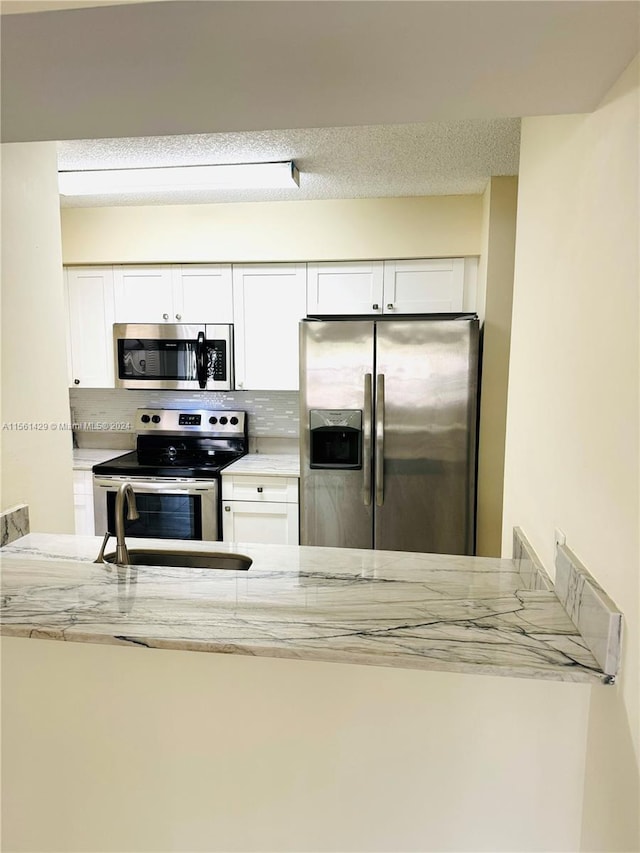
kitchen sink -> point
(186, 559)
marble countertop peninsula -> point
(420, 611)
(266, 464)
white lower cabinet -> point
(83, 503)
(261, 509)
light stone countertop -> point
(267, 464)
(84, 458)
(390, 608)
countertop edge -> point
(321, 655)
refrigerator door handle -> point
(380, 440)
(366, 439)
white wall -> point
(128, 749)
(342, 229)
(573, 417)
(36, 460)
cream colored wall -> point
(499, 236)
(36, 460)
(112, 748)
(572, 451)
(346, 229)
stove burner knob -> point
(145, 419)
(233, 421)
(156, 419)
(223, 420)
(213, 420)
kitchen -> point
(262, 364)
(595, 540)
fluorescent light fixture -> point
(238, 176)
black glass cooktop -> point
(181, 465)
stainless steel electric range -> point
(175, 473)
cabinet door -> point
(266, 523)
(345, 288)
(90, 318)
(202, 293)
(423, 286)
(268, 303)
(144, 294)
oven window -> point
(157, 359)
(161, 516)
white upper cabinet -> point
(424, 286)
(90, 307)
(345, 288)
(268, 303)
(174, 293)
(202, 293)
(144, 294)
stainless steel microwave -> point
(171, 356)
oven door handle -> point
(201, 360)
(160, 488)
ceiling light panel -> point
(237, 176)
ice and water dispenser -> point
(336, 438)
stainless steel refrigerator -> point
(388, 421)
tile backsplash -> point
(272, 414)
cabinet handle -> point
(165, 316)
(375, 306)
(227, 508)
(390, 305)
(259, 489)
(76, 381)
(178, 316)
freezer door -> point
(426, 410)
(336, 367)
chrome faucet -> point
(125, 493)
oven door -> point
(174, 357)
(168, 509)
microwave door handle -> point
(201, 361)
(366, 440)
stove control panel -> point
(202, 422)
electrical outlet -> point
(559, 538)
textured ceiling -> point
(436, 158)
